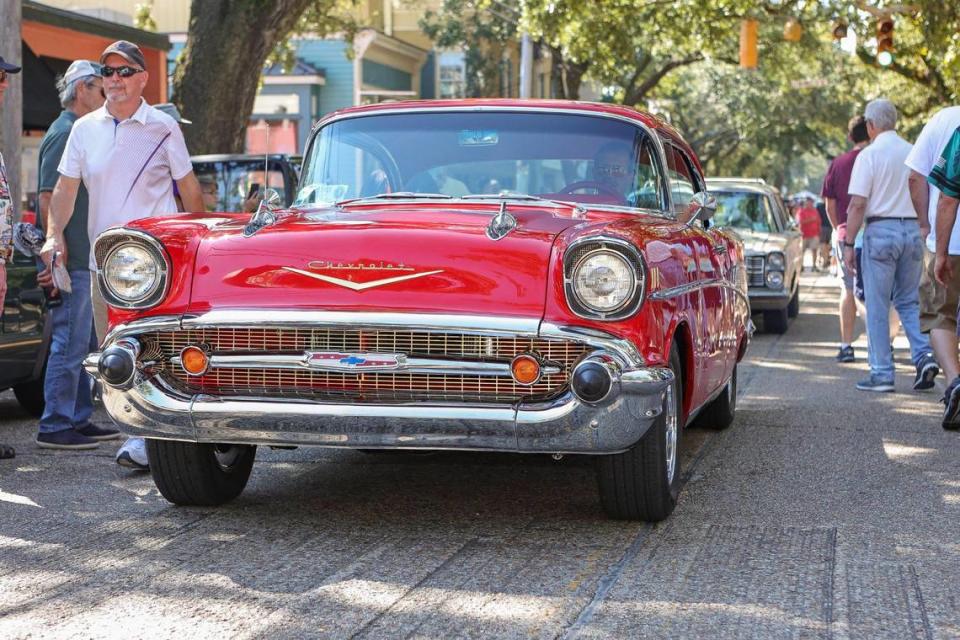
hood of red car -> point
(395, 258)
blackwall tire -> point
(191, 474)
(793, 307)
(640, 483)
(30, 397)
(719, 414)
(775, 321)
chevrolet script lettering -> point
(361, 267)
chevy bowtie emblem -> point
(337, 361)
(361, 286)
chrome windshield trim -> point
(404, 364)
(668, 214)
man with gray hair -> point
(892, 248)
(67, 388)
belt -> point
(881, 218)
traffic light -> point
(748, 44)
(885, 41)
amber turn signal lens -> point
(194, 360)
(525, 369)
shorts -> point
(938, 303)
(846, 276)
(811, 243)
(825, 233)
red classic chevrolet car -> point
(520, 276)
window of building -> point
(453, 75)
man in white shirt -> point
(938, 302)
(892, 249)
(128, 155)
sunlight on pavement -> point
(15, 499)
(897, 451)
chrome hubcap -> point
(670, 417)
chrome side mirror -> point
(702, 206)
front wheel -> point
(775, 321)
(793, 308)
(643, 482)
(192, 474)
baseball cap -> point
(81, 69)
(9, 68)
(126, 50)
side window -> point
(682, 182)
(649, 189)
(773, 215)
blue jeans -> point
(892, 264)
(68, 388)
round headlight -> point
(776, 261)
(132, 272)
(603, 281)
(774, 279)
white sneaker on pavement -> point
(133, 454)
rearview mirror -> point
(702, 206)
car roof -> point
(747, 185)
(227, 157)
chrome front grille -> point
(162, 348)
(755, 276)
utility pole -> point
(526, 66)
(11, 111)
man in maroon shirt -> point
(837, 199)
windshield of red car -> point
(743, 210)
(558, 156)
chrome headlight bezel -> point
(586, 248)
(773, 275)
(776, 261)
(113, 240)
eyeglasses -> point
(123, 72)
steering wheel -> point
(599, 187)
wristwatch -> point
(850, 245)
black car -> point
(24, 335)
(237, 174)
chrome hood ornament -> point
(501, 224)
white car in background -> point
(772, 246)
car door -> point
(22, 322)
(713, 267)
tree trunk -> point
(216, 82)
(11, 111)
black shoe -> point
(927, 370)
(845, 355)
(6, 452)
(66, 439)
(951, 398)
(97, 433)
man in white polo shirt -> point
(892, 249)
(938, 302)
(128, 155)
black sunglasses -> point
(123, 72)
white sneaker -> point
(133, 454)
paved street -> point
(822, 513)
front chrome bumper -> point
(149, 407)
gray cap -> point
(81, 69)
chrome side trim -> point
(690, 287)
(404, 365)
(143, 325)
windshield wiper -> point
(398, 195)
(516, 195)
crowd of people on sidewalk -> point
(893, 206)
(107, 159)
